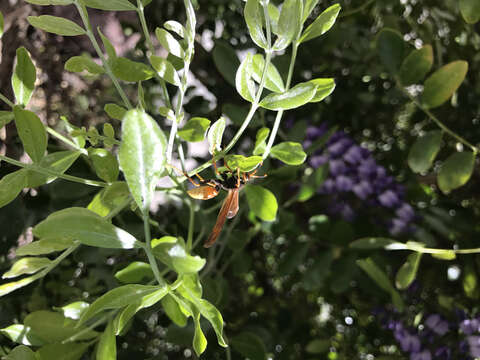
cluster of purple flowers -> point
(436, 338)
(355, 177)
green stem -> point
(358, 9)
(77, 335)
(439, 123)
(278, 117)
(191, 205)
(148, 249)
(45, 171)
(5, 100)
(84, 15)
(66, 140)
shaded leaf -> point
(56, 25)
(109, 5)
(470, 10)
(130, 71)
(70, 351)
(391, 49)
(104, 163)
(226, 60)
(245, 164)
(215, 135)
(11, 185)
(288, 25)
(23, 77)
(249, 345)
(407, 273)
(21, 352)
(44, 246)
(135, 272)
(424, 151)
(32, 132)
(416, 65)
(81, 63)
(107, 346)
(456, 171)
(115, 111)
(59, 162)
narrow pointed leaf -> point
(109, 48)
(274, 81)
(322, 23)
(12, 286)
(86, 227)
(110, 5)
(169, 43)
(441, 85)
(424, 151)
(27, 265)
(253, 14)
(2, 24)
(456, 171)
(262, 202)
(308, 7)
(416, 65)
(243, 79)
(407, 273)
(173, 311)
(50, 2)
(291, 153)
(325, 87)
(59, 162)
(107, 346)
(470, 10)
(32, 132)
(195, 129)
(297, 96)
(22, 334)
(56, 25)
(199, 339)
(142, 155)
(23, 77)
(260, 141)
(44, 246)
(288, 23)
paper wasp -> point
(230, 181)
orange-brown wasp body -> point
(207, 189)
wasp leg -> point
(187, 176)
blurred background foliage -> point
(290, 289)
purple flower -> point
(363, 189)
(405, 212)
(437, 324)
(354, 155)
(343, 183)
(474, 345)
(397, 226)
(470, 326)
(338, 148)
(424, 355)
(388, 199)
(408, 342)
(337, 167)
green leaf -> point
(110, 5)
(424, 151)
(253, 14)
(22, 334)
(32, 132)
(107, 346)
(273, 81)
(322, 23)
(371, 243)
(56, 25)
(441, 85)
(23, 77)
(142, 155)
(11, 185)
(245, 164)
(274, 15)
(226, 60)
(215, 135)
(377, 275)
(80, 63)
(416, 65)
(165, 70)
(249, 345)
(130, 71)
(391, 49)
(53, 327)
(318, 346)
(195, 129)
(308, 7)
(74, 310)
(291, 153)
(445, 255)
(109, 48)
(5, 118)
(104, 163)
(27, 265)
(173, 311)
(325, 87)
(262, 202)
(456, 171)
(470, 281)
(175, 26)
(288, 25)
(243, 79)
(470, 10)
(191, 22)
(407, 273)
(9, 287)
(135, 272)
(44, 246)
(59, 162)
(199, 339)
(122, 296)
(171, 251)
(260, 141)
(169, 43)
(86, 227)
(297, 96)
(2, 23)
(21, 352)
(70, 351)
(115, 111)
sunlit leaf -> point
(23, 77)
(175, 26)
(32, 132)
(165, 70)
(274, 81)
(245, 164)
(109, 5)
(288, 26)
(171, 251)
(74, 310)
(253, 14)
(408, 272)
(27, 265)
(107, 345)
(22, 334)
(325, 87)
(169, 43)
(135, 272)
(244, 79)
(195, 129)
(215, 135)
(322, 23)
(291, 153)
(262, 202)
(80, 63)
(456, 171)
(56, 25)
(297, 96)
(260, 141)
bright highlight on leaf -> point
(215, 135)
(23, 77)
(262, 202)
(297, 96)
(291, 153)
(322, 23)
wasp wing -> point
(204, 192)
(230, 200)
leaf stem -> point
(5, 100)
(148, 248)
(84, 15)
(438, 122)
(45, 171)
(66, 140)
